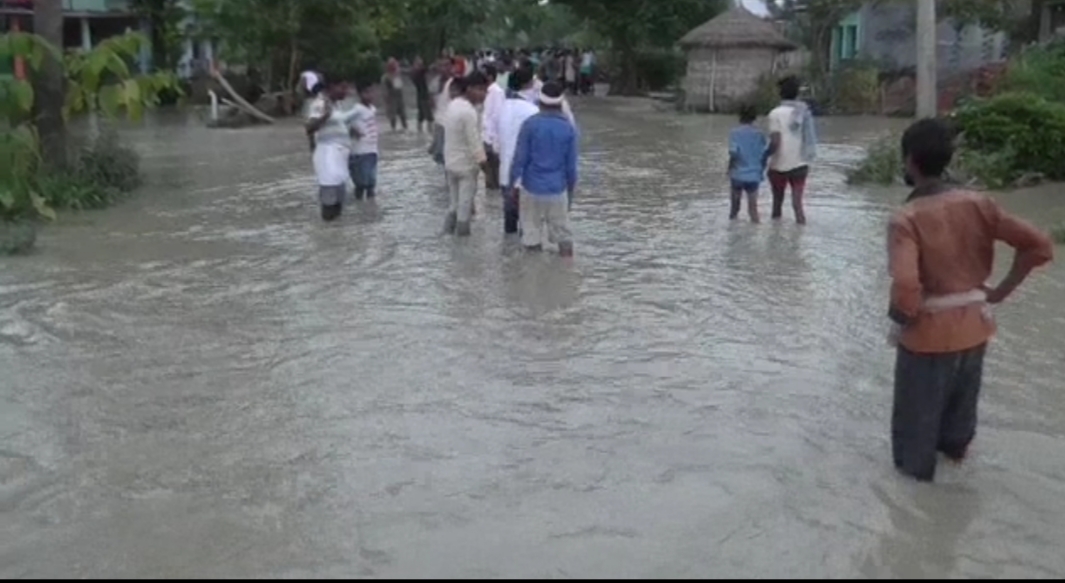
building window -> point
(846, 40)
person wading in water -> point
(793, 147)
(493, 104)
(419, 76)
(464, 156)
(330, 140)
(393, 83)
(941, 251)
(516, 109)
(545, 165)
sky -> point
(757, 7)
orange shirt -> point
(942, 243)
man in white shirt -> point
(493, 103)
(464, 155)
(364, 150)
(516, 109)
(792, 148)
(330, 139)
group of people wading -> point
(502, 121)
(522, 136)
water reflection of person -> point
(923, 540)
(941, 252)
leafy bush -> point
(102, 173)
(856, 89)
(881, 165)
(1040, 71)
(1022, 132)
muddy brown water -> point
(207, 382)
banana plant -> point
(100, 80)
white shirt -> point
(332, 144)
(463, 143)
(364, 120)
(513, 115)
(789, 155)
(533, 96)
(493, 105)
(443, 100)
(310, 79)
(335, 129)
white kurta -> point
(512, 116)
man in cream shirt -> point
(464, 155)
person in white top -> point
(493, 103)
(516, 109)
(364, 151)
(330, 140)
(792, 148)
(532, 93)
(308, 86)
(464, 155)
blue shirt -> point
(545, 161)
(747, 145)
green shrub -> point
(101, 174)
(1040, 71)
(856, 89)
(1023, 133)
(881, 165)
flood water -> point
(208, 382)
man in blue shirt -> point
(543, 175)
(746, 162)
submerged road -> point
(208, 382)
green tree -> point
(633, 26)
(276, 37)
(34, 145)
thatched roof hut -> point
(726, 58)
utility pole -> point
(927, 94)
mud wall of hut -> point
(733, 73)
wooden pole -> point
(713, 83)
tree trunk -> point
(50, 84)
(1035, 21)
(627, 82)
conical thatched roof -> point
(737, 28)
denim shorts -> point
(744, 186)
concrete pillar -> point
(86, 35)
(927, 60)
(145, 60)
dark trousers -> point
(491, 176)
(780, 181)
(510, 212)
(936, 398)
(363, 170)
(397, 108)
